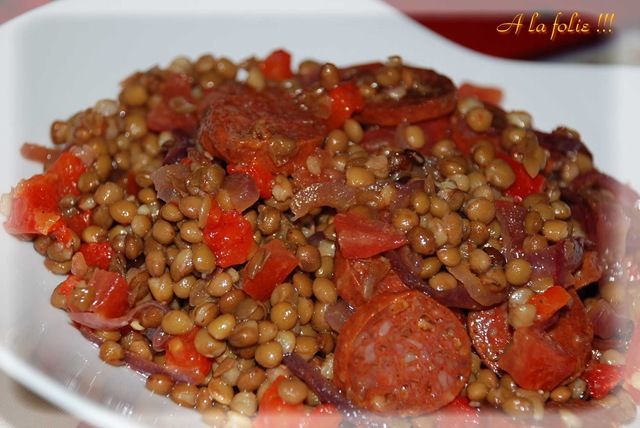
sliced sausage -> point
(430, 95)
(238, 123)
(490, 334)
(403, 354)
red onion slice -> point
(404, 263)
(476, 289)
(170, 181)
(95, 321)
(242, 190)
(337, 314)
(332, 194)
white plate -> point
(63, 57)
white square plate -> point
(63, 57)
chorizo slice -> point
(426, 95)
(238, 124)
(402, 354)
(490, 334)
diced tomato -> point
(274, 412)
(483, 93)
(524, 184)
(79, 222)
(98, 254)
(345, 101)
(183, 356)
(360, 237)
(67, 168)
(112, 294)
(535, 361)
(34, 204)
(62, 233)
(323, 416)
(229, 235)
(66, 287)
(259, 171)
(277, 263)
(590, 271)
(458, 413)
(277, 66)
(549, 302)
(602, 378)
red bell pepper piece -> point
(524, 185)
(549, 302)
(259, 171)
(182, 355)
(229, 235)
(345, 101)
(162, 117)
(97, 254)
(274, 412)
(277, 66)
(277, 263)
(361, 238)
(602, 378)
(112, 294)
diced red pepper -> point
(277, 263)
(345, 101)
(98, 254)
(183, 356)
(34, 204)
(549, 302)
(483, 93)
(274, 412)
(67, 168)
(524, 185)
(361, 237)
(277, 66)
(66, 287)
(229, 235)
(259, 171)
(79, 222)
(62, 233)
(112, 294)
(602, 378)
(458, 413)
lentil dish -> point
(367, 245)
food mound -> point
(367, 245)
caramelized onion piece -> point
(404, 263)
(170, 181)
(333, 194)
(242, 190)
